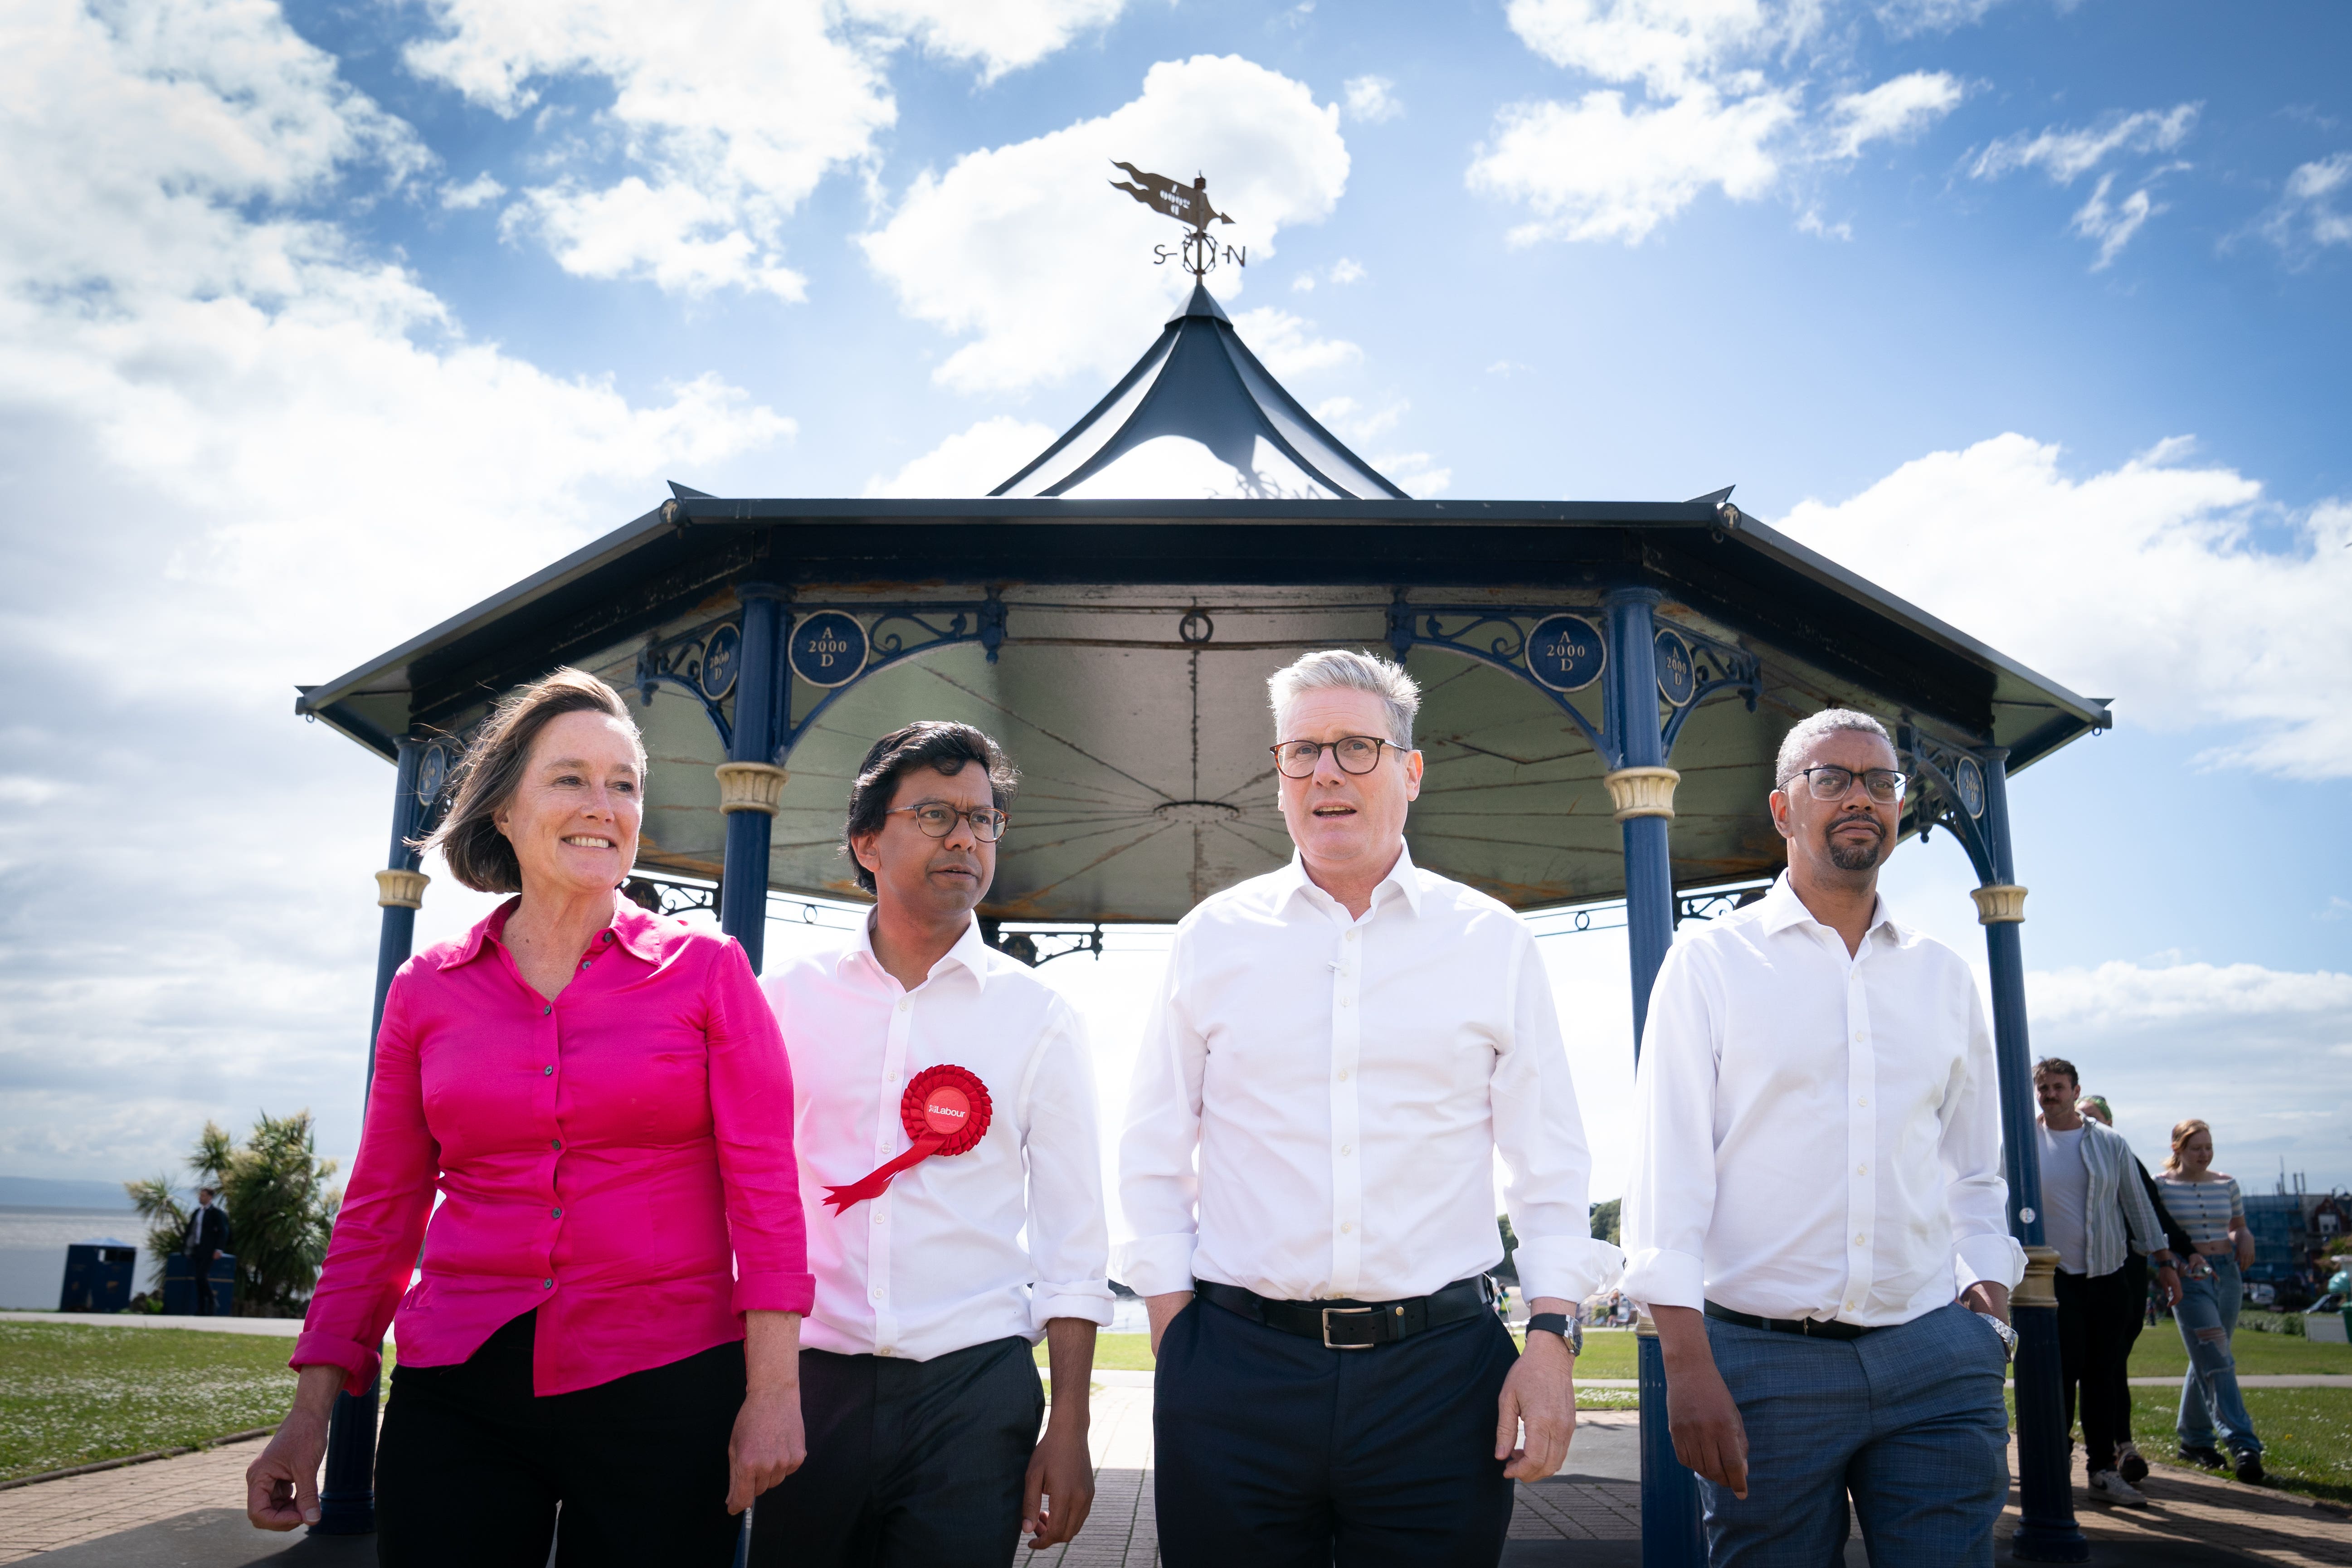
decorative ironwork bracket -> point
(702, 663)
(1560, 650)
(1954, 795)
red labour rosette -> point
(945, 1110)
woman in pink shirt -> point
(608, 1316)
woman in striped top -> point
(2207, 1205)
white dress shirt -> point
(1818, 1135)
(1346, 1085)
(961, 1249)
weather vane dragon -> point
(1187, 204)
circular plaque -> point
(1677, 681)
(828, 649)
(432, 771)
(722, 657)
(1566, 653)
(1968, 779)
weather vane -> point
(1187, 204)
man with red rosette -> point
(944, 1116)
(1339, 1051)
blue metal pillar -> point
(743, 885)
(346, 1486)
(1671, 1527)
(2047, 1531)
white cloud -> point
(1288, 345)
(2066, 155)
(1907, 18)
(288, 454)
(1371, 99)
(1344, 272)
(1000, 35)
(1416, 473)
(1593, 171)
(478, 192)
(2194, 624)
(1715, 113)
(970, 462)
(1895, 109)
(2307, 216)
(732, 112)
(1027, 251)
(2112, 226)
(1355, 424)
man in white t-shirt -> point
(2093, 1205)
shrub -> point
(280, 1209)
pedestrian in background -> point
(1341, 1051)
(208, 1239)
(608, 1315)
(2095, 1216)
(1816, 1175)
(2213, 1212)
(2142, 1300)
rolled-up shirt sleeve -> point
(751, 1118)
(381, 1225)
(1539, 1134)
(1069, 1237)
(1976, 1192)
(1670, 1189)
(1160, 1185)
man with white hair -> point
(1339, 1050)
(1817, 1175)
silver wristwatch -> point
(2008, 1335)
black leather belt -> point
(1812, 1328)
(1348, 1325)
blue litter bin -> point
(179, 1285)
(98, 1275)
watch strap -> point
(1557, 1323)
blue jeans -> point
(1908, 1420)
(2209, 1390)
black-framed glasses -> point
(1354, 753)
(1825, 782)
(938, 819)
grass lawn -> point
(71, 1394)
(2306, 1431)
(2159, 1354)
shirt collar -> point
(970, 950)
(636, 928)
(1403, 875)
(1782, 909)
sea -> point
(33, 1242)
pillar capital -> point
(2040, 1286)
(1642, 792)
(400, 889)
(751, 786)
(2000, 903)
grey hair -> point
(1338, 669)
(1811, 728)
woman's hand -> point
(769, 1442)
(281, 1487)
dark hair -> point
(2058, 1065)
(946, 747)
(487, 777)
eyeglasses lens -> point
(1354, 753)
(1885, 785)
(938, 821)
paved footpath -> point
(187, 1513)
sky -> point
(320, 322)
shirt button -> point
(547, 1071)
(1861, 1170)
(881, 1350)
(555, 1143)
(1861, 1100)
(1347, 1148)
(543, 1012)
(608, 936)
(1858, 1036)
(1854, 1305)
(1343, 1075)
(904, 1003)
(889, 1077)
(1347, 1226)
(586, 961)
(555, 1214)
(878, 1292)
(1352, 936)
(547, 1284)
(1860, 1240)
(1343, 1001)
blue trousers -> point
(1907, 1420)
(2209, 1389)
(1275, 1452)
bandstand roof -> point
(1112, 611)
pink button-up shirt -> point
(601, 1157)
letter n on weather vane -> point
(1190, 205)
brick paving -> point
(50, 1514)
(2195, 1508)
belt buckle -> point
(1345, 1312)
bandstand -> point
(1606, 684)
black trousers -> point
(2134, 1291)
(200, 1265)
(2094, 1355)
(912, 1464)
(472, 1463)
(1274, 1452)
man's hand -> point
(1059, 1490)
(1162, 1310)
(769, 1442)
(281, 1487)
(1540, 1392)
(2168, 1279)
(1709, 1437)
(1984, 1296)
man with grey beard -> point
(1816, 1217)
